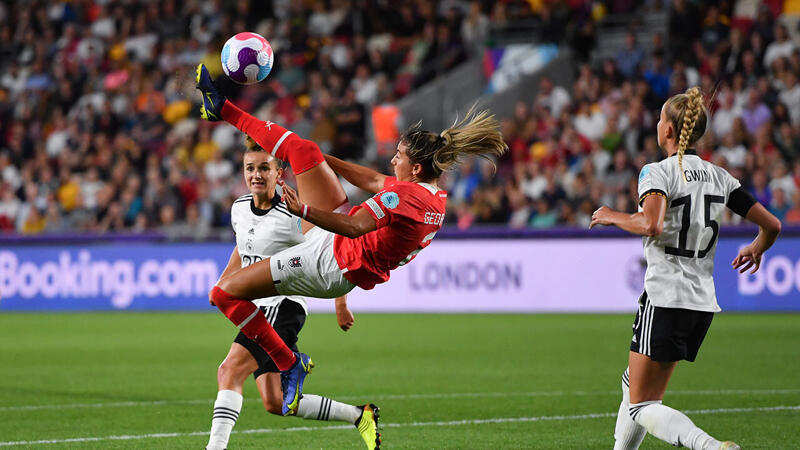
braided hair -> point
(688, 116)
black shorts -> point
(668, 334)
(288, 320)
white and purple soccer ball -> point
(247, 58)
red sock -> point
(300, 153)
(245, 315)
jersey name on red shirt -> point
(407, 216)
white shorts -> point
(309, 268)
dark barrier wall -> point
(555, 271)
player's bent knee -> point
(231, 374)
(273, 406)
(306, 156)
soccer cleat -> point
(367, 425)
(292, 383)
(728, 445)
(212, 99)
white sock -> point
(226, 412)
(628, 434)
(671, 425)
(314, 407)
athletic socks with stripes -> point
(314, 407)
(628, 434)
(671, 426)
(226, 412)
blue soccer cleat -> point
(212, 99)
(292, 383)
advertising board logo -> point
(634, 273)
(779, 275)
(120, 280)
(467, 276)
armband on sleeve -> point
(649, 193)
(740, 201)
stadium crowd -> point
(576, 147)
(99, 129)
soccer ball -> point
(247, 58)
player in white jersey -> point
(263, 227)
(681, 201)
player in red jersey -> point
(343, 250)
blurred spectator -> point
(629, 57)
(779, 206)
(781, 47)
(792, 216)
(755, 113)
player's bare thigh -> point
(648, 378)
(319, 187)
(250, 283)
(235, 368)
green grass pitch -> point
(442, 381)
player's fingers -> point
(758, 264)
(746, 267)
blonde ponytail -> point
(477, 133)
(688, 116)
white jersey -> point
(261, 233)
(680, 261)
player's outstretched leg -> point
(244, 314)
(292, 383)
(317, 184)
(212, 99)
(648, 382)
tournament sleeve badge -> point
(390, 200)
(643, 174)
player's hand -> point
(345, 318)
(748, 257)
(343, 314)
(291, 199)
(601, 217)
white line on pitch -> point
(402, 397)
(390, 425)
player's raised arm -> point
(359, 176)
(649, 222)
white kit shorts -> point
(309, 268)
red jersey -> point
(407, 215)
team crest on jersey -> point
(294, 262)
(390, 200)
(645, 171)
